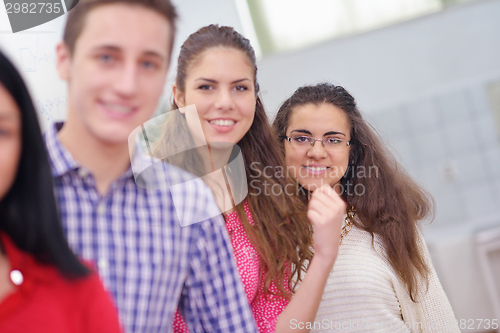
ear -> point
(63, 61)
(178, 97)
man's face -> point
(117, 70)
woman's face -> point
(10, 140)
(313, 166)
(221, 85)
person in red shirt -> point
(43, 285)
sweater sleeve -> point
(433, 307)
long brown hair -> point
(281, 233)
(392, 203)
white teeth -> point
(119, 108)
(222, 122)
(317, 168)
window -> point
(283, 25)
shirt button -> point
(101, 209)
(82, 172)
(103, 264)
(16, 277)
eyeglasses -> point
(330, 143)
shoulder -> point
(96, 310)
(362, 265)
(361, 280)
(192, 200)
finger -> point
(313, 216)
(328, 197)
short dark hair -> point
(28, 212)
(76, 17)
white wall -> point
(392, 64)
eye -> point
(301, 139)
(4, 133)
(205, 87)
(106, 58)
(241, 88)
(333, 141)
(150, 65)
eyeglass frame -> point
(289, 138)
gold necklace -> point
(348, 223)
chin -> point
(114, 137)
(312, 185)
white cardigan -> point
(364, 294)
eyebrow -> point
(117, 49)
(309, 133)
(214, 81)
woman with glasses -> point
(270, 232)
(383, 279)
(43, 285)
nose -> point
(127, 80)
(317, 151)
(224, 100)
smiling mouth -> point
(316, 168)
(222, 122)
(119, 108)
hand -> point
(326, 211)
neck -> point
(105, 161)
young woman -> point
(269, 230)
(43, 286)
(383, 279)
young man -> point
(115, 57)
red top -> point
(47, 302)
(265, 311)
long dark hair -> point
(282, 233)
(392, 203)
(28, 213)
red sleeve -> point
(266, 310)
(100, 313)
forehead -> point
(128, 27)
(9, 111)
(217, 61)
(319, 119)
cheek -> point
(249, 117)
(9, 165)
(152, 88)
(293, 161)
(246, 108)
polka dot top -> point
(265, 311)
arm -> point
(325, 211)
(214, 299)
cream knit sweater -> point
(364, 294)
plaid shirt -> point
(148, 262)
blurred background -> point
(426, 74)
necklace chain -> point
(348, 223)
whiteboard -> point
(33, 53)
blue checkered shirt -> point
(148, 262)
